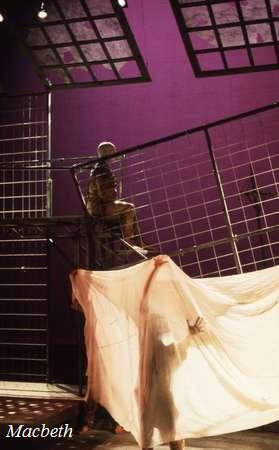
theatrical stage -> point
(139, 224)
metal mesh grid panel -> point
(207, 197)
(24, 193)
(23, 306)
(31, 300)
(223, 37)
(177, 201)
(84, 43)
(247, 156)
(24, 141)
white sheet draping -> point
(162, 383)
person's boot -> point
(177, 445)
(87, 416)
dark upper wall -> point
(130, 114)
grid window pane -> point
(254, 10)
(46, 57)
(109, 27)
(225, 13)
(83, 31)
(93, 52)
(203, 39)
(232, 36)
(206, 26)
(259, 34)
(69, 55)
(58, 34)
(196, 16)
(119, 49)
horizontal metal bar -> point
(226, 240)
(4, 168)
(100, 83)
(22, 254)
(258, 261)
(22, 211)
(23, 300)
(23, 315)
(23, 374)
(248, 177)
(19, 163)
(23, 182)
(23, 329)
(257, 247)
(46, 221)
(235, 47)
(252, 219)
(24, 239)
(17, 124)
(23, 108)
(2, 358)
(24, 138)
(22, 166)
(27, 344)
(22, 153)
(23, 268)
(30, 196)
(242, 69)
(23, 284)
(75, 20)
(92, 63)
(57, 45)
(223, 26)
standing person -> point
(163, 360)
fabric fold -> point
(158, 380)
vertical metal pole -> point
(48, 172)
(49, 311)
(28, 156)
(48, 214)
(224, 203)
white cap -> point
(106, 149)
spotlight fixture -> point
(42, 14)
(122, 3)
(1, 18)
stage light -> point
(122, 3)
(1, 18)
(42, 14)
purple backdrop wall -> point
(131, 114)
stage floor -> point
(32, 404)
(246, 440)
(38, 390)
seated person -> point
(102, 199)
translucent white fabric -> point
(158, 380)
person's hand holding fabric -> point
(198, 326)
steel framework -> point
(196, 197)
